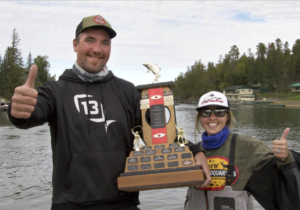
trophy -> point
(163, 161)
(138, 143)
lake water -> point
(26, 167)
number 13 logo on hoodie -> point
(91, 108)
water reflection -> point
(26, 167)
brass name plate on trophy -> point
(161, 163)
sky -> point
(172, 34)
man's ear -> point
(75, 45)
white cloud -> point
(173, 34)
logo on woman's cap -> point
(212, 98)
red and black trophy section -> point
(161, 163)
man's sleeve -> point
(137, 111)
(194, 148)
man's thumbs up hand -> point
(25, 96)
(31, 76)
(280, 147)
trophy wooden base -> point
(160, 166)
(159, 179)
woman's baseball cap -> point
(213, 98)
(95, 21)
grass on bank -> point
(281, 96)
(287, 104)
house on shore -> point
(295, 88)
(239, 93)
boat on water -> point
(276, 105)
(262, 102)
(4, 107)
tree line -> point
(13, 71)
(273, 67)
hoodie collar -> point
(88, 77)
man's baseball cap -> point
(95, 21)
(213, 98)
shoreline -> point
(294, 104)
(288, 104)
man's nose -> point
(97, 48)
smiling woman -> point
(213, 120)
(232, 159)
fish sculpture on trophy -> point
(164, 160)
(154, 69)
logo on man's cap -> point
(100, 20)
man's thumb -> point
(31, 76)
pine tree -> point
(288, 71)
(259, 70)
(43, 69)
(274, 67)
(29, 61)
(12, 72)
(234, 54)
(270, 67)
(250, 68)
(240, 71)
(279, 69)
(296, 60)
